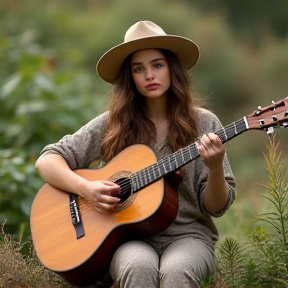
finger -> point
(215, 138)
(105, 207)
(207, 135)
(110, 183)
(111, 190)
(205, 141)
(106, 199)
(211, 139)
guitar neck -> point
(183, 156)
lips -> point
(152, 86)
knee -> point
(177, 268)
(139, 264)
(137, 255)
(181, 272)
(134, 260)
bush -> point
(262, 260)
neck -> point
(157, 110)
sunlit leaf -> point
(11, 84)
(44, 82)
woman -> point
(151, 104)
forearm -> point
(216, 192)
(54, 170)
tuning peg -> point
(285, 125)
(270, 130)
(273, 103)
(258, 112)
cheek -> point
(137, 81)
(168, 79)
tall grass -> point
(19, 266)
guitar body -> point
(85, 260)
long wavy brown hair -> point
(128, 123)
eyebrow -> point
(154, 60)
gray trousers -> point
(184, 263)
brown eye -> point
(138, 69)
(158, 65)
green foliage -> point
(19, 181)
(253, 16)
(262, 261)
(39, 103)
(231, 261)
(277, 196)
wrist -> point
(217, 170)
(81, 186)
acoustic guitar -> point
(75, 240)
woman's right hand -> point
(54, 170)
(101, 194)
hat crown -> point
(143, 29)
(145, 35)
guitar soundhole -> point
(125, 189)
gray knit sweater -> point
(83, 147)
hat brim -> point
(109, 65)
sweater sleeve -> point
(209, 123)
(82, 147)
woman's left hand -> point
(212, 150)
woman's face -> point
(150, 72)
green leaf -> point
(11, 84)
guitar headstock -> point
(275, 115)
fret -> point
(179, 161)
(193, 151)
(230, 133)
(167, 163)
(150, 171)
(153, 171)
(235, 128)
(160, 167)
(182, 155)
(170, 166)
(141, 181)
(173, 162)
(186, 154)
(145, 176)
(225, 134)
(135, 183)
(159, 171)
(190, 151)
(164, 166)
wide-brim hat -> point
(145, 35)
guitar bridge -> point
(76, 216)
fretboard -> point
(183, 156)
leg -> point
(185, 262)
(135, 265)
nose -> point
(149, 74)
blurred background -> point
(48, 84)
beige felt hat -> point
(145, 35)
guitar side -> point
(83, 261)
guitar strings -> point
(127, 183)
(142, 174)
